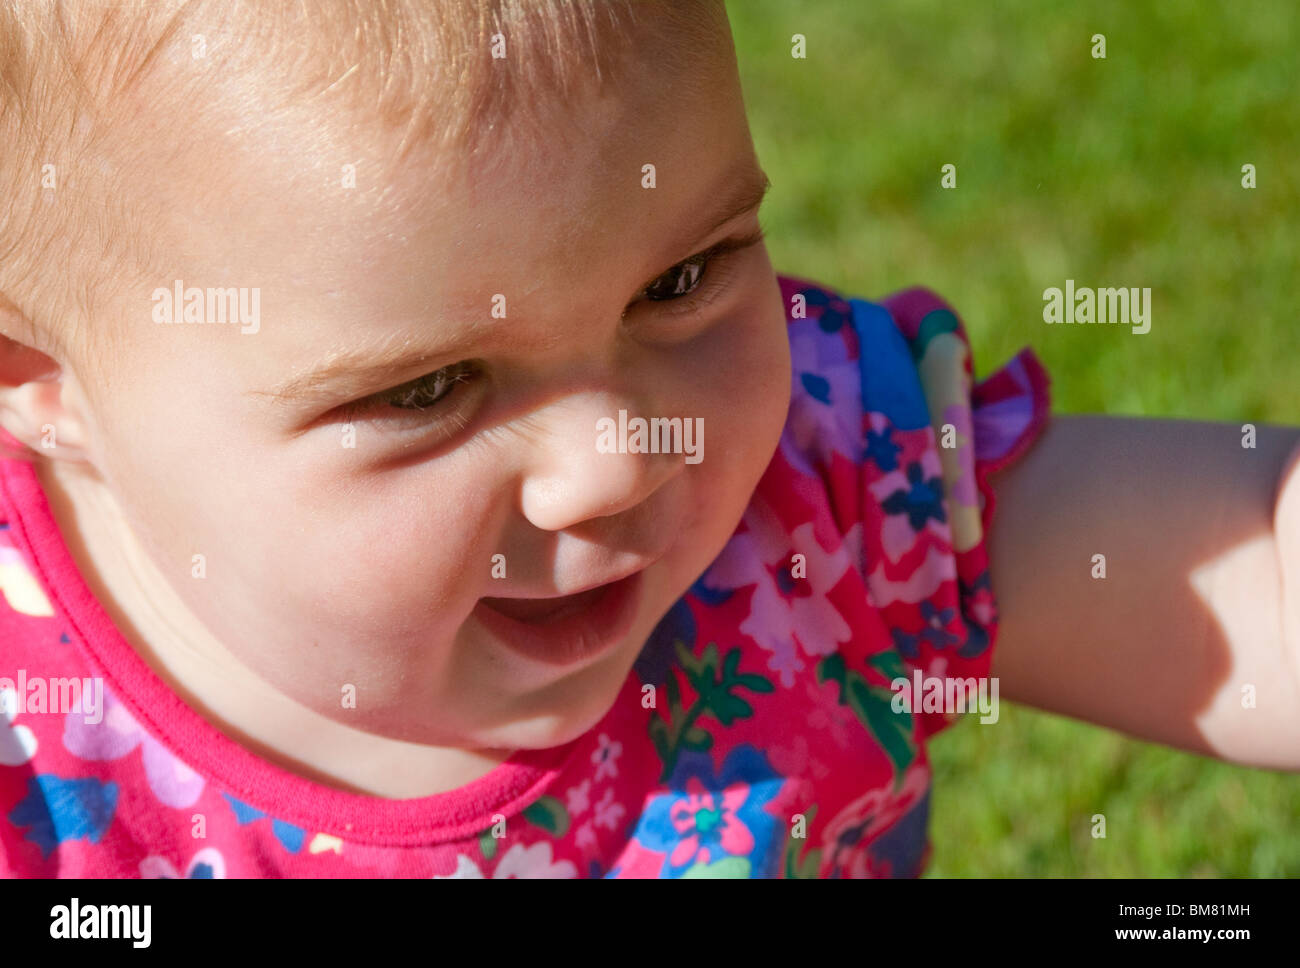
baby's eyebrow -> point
(356, 370)
(745, 193)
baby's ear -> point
(36, 407)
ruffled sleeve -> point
(931, 438)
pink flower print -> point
(826, 712)
(608, 812)
(750, 554)
(938, 567)
(852, 545)
(778, 620)
(585, 837)
(576, 799)
(938, 668)
(637, 862)
(808, 618)
(825, 411)
(746, 560)
(847, 840)
(982, 606)
(784, 661)
(796, 759)
(171, 781)
(605, 756)
(713, 815)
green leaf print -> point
(697, 739)
(549, 814)
(674, 694)
(832, 667)
(873, 705)
(488, 844)
(888, 664)
(731, 708)
(730, 663)
(727, 867)
(659, 736)
(714, 683)
(811, 864)
(754, 683)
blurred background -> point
(1125, 171)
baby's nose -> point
(581, 467)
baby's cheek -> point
(753, 388)
(385, 573)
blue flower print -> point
(58, 810)
(706, 819)
(882, 449)
(290, 837)
(921, 501)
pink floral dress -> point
(773, 747)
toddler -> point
(416, 468)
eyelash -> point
(717, 255)
(451, 376)
(708, 286)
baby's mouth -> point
(543, 611)
(564, 629)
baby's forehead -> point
(318, 87)
(448, 72)
(172, 87)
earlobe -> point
(33, 395)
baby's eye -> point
(695, 282)
(407, 404)
(429, 390)
(431, 409)
(680, 280)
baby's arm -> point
(1201, 595)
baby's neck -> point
(203, 672)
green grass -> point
(1117, 172)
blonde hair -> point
(426, 69)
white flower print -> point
(17, 743)
(519, 861)
(534, 861)
(466, 869)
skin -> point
(329, 565)
(1201, 592)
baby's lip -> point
(540, 601)
(544, 609)
(550, 594)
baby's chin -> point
(569, 709)
(508, 719)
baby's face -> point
(349, 535)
